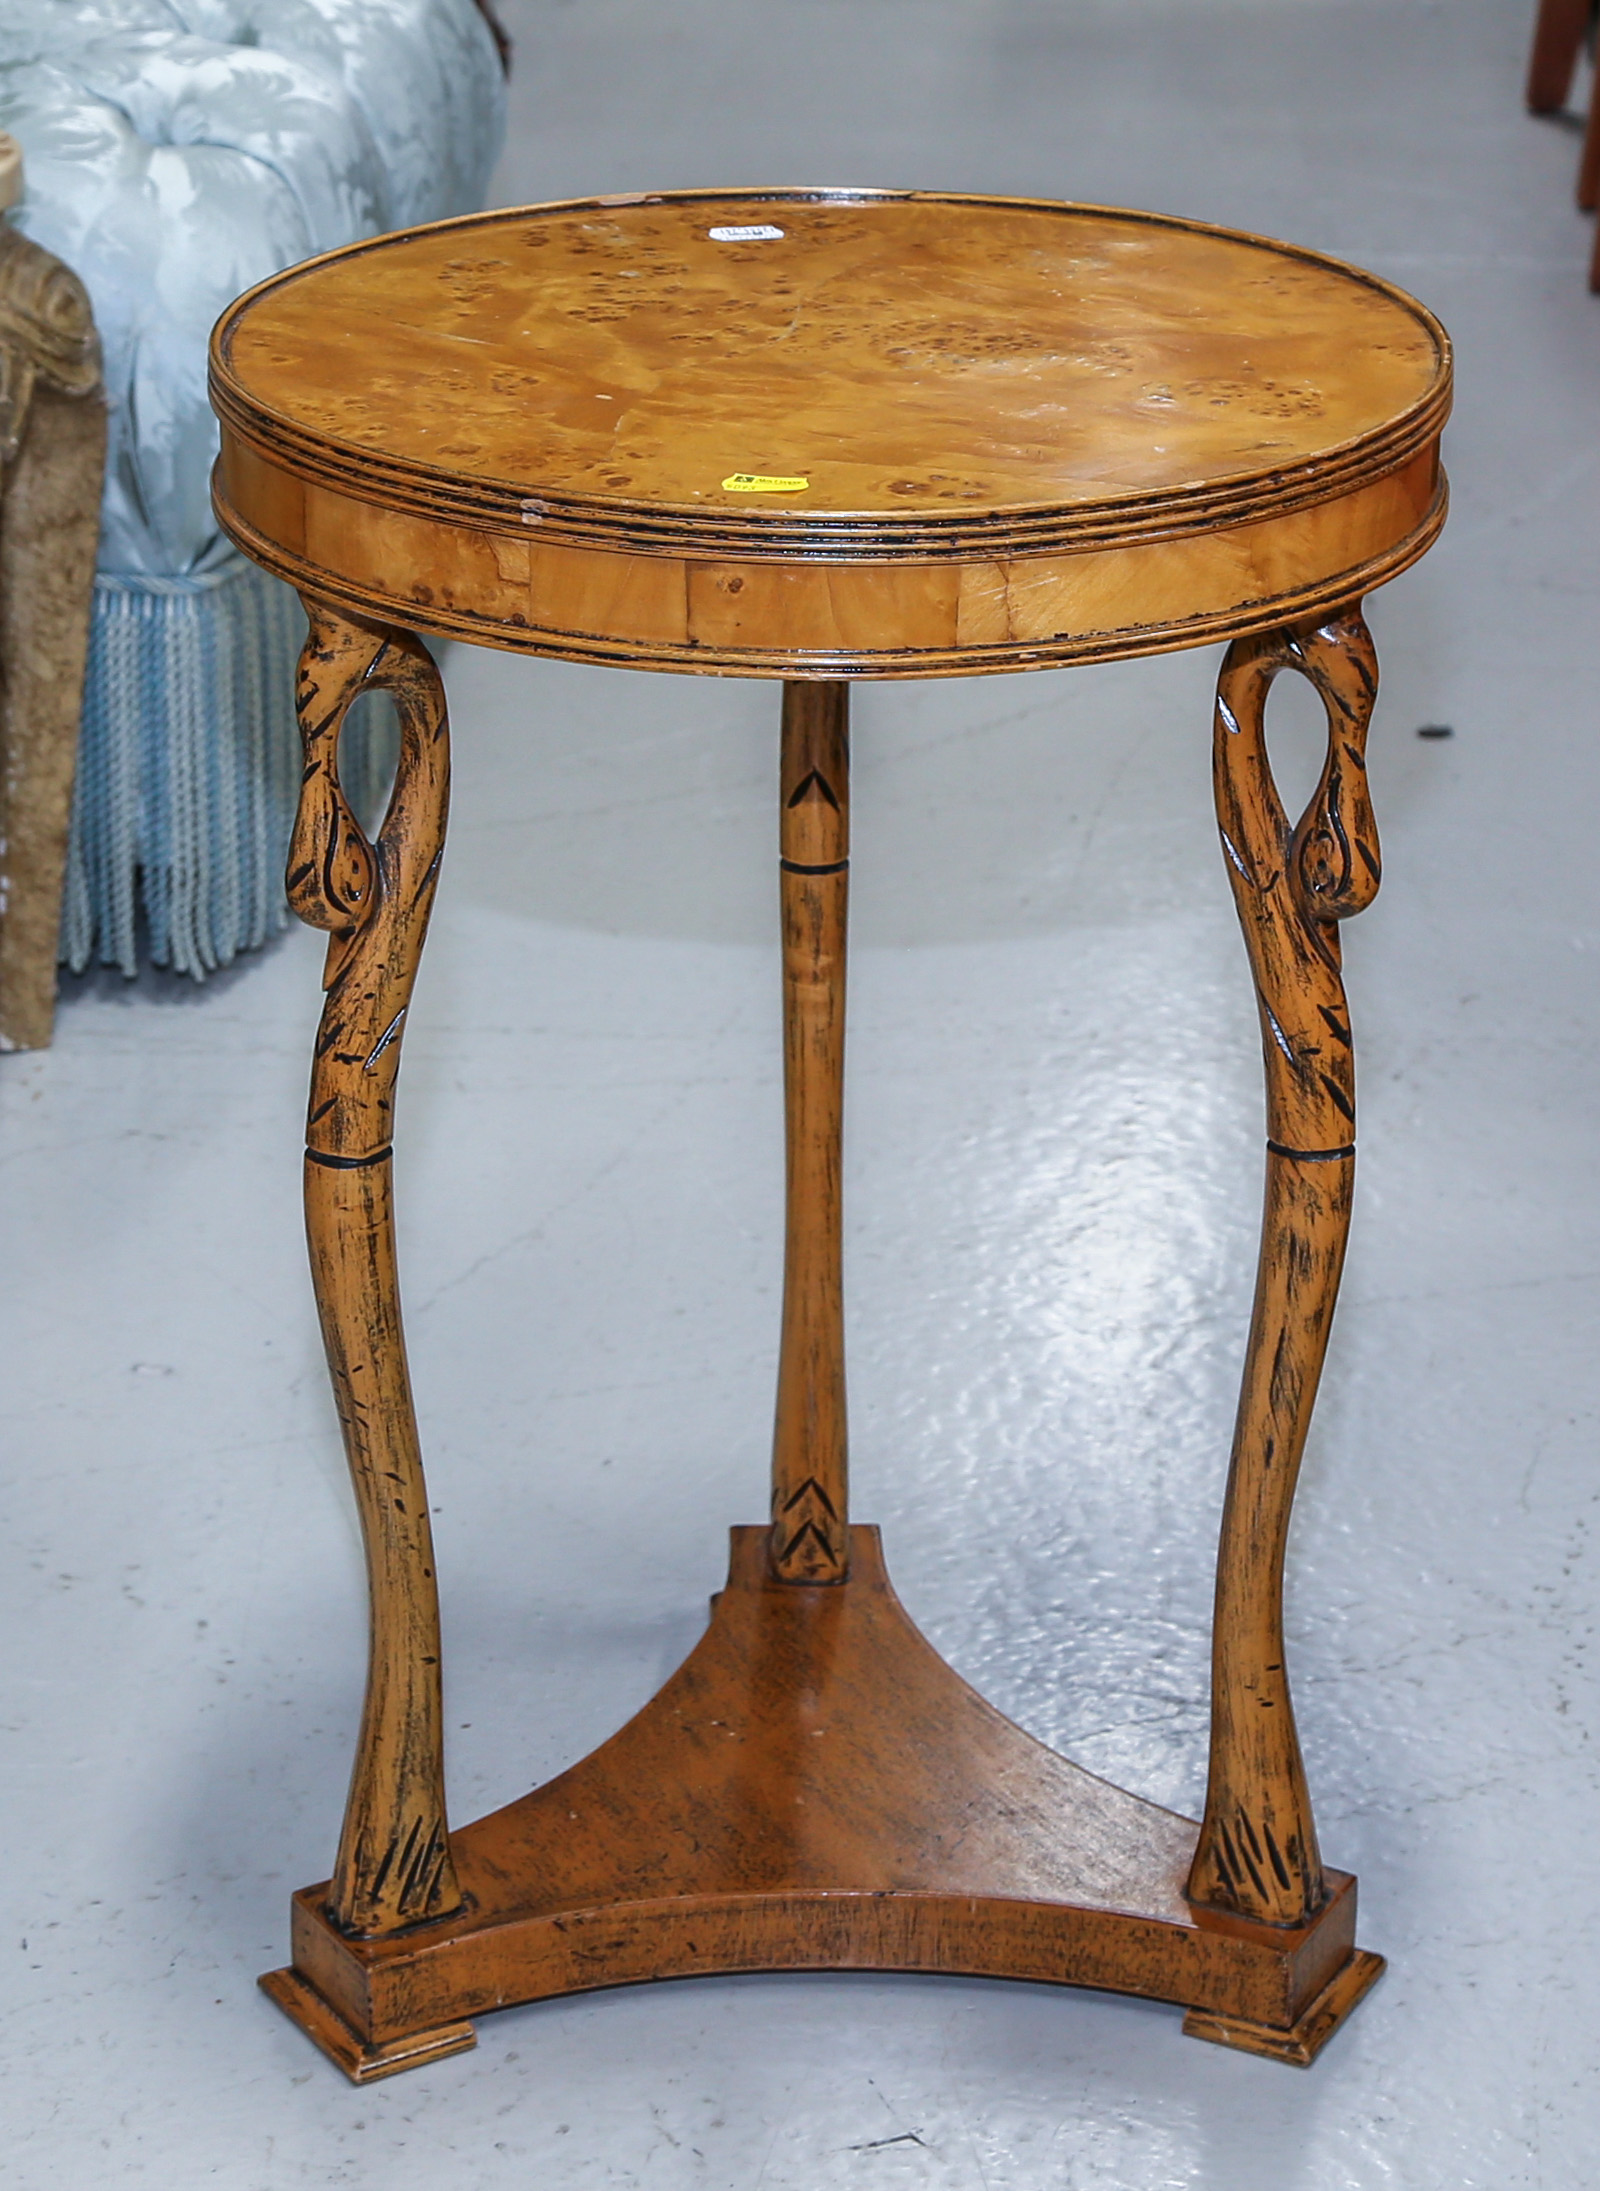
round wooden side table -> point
(819, 435)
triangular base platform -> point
(814, 1789)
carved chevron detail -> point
(814, 785)
(808, 1535)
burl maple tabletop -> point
(819, 436)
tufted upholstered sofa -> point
(177, 151)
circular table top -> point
(634, 395)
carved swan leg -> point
(810, 1528)
(1257, 1853)
(394, 1862)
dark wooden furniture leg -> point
(1589, 175)
(394, 1865)
(1589, 162)
(1257, 1854)
(1557, 41)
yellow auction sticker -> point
(762, 483)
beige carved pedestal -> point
(52, 461)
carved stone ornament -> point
(47, 333)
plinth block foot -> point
(362, 2061)
(1303, 2040)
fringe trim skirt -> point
(188, 769)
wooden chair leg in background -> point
(1257, 1855)
(1589, 174)
(394, 1866)
(1558, 37)
(1589, 163)
(53, 453)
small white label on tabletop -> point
(762, 483)
(758, 232)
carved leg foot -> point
(363, 2061)
(1305, 2038)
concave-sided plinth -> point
(815, 1789)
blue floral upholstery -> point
(177, 151)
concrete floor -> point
(1054, 1141)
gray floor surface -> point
(1054, 1149)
